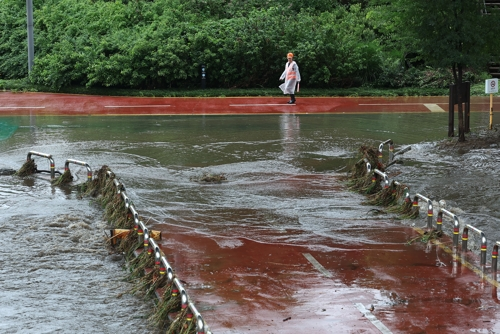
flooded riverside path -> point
(279, 247)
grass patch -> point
(23, 85)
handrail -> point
(81, 163)
(402, 151)
(184, 295)
(134, 213)
(456, 224)
(381, 147)
(119, 186)
(146, 238)
(430, 211)
(44, 155)
(368, 166)
(166, 268)
(156, 250)
(465, 238)
(494, 259)
(201, 326)
(384, 175)
(125, 198)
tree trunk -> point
(460, 93)
(457, 76)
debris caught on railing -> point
(426, 237)
(28, 168)
(65, 178)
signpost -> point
(491, 87)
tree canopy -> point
(242, 43)
(454, 34)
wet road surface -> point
(280, 246)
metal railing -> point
(439, 219)
(81, 163)
(152, 248)
(484, 245)
(146, 240)
(430, 209)
(456, 224)
(44, 155)
(384, 176)
(381, 148)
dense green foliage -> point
(447, 34)
(162, 44)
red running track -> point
(66, 104)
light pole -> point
(31, 47)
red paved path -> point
(273, 288)
(63, 104)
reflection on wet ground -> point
(242, 245)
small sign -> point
(491, 86)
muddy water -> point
(282, 187)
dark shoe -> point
(291, 102)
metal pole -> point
(494, 261)
(465, 238)
(203, 77)
(491, 112)
(484, 247)
(31, 46)
(451, 111)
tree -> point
(453, 34)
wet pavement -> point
(280, 246)
(65, 104)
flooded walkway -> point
(280, 246)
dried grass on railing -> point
(426, 237)
(116, 213)
(180, 325)
(358, 178)
(387, 196)
(361, 181)
(144, 274)
(130, 244)
(166, 305)
(28, 168)
(139, 264)
(65, 178)
(96, 186)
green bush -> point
(162, 44)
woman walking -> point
(291, 75)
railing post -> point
(44, 155)
(81, 163)
(439, 221)
(380, 149)
(384, 175)
(368, 166)
(456, 231)
(430, 214)
(465, 238)
(402, 151)
(494, 259)
(456, 224)
(391, 151)
(484, 247)
(166, 268)
(430, 210)
(379, 155)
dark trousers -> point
(292, 97)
